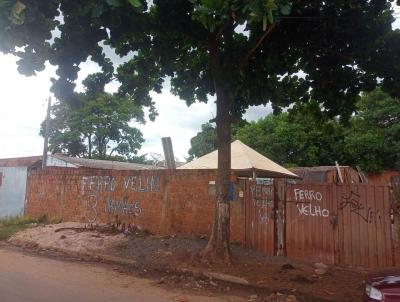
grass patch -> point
(8, 230)
(12, 225)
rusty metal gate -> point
(341, 224)
(348, 225)
(395, 208)
(260, 217)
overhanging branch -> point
(259, 42)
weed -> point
(11, 225)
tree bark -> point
(218, 247)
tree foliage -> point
(204, 142)
(302, 137)
(373, 140)
(307, 136)
(96, 128)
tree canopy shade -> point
(244, 52)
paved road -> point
(25, 278)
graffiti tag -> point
(122, 207)
(307, 209)
(351, 200)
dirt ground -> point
(34, 278)
(175, 262)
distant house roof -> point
(66, 161)
(20, 161)
(243, 159)
(327, 174)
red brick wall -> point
(163, 202)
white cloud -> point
(22, 108)
(176, 120)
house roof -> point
(327, 174)
(103, 164)
(243, 159)
(20, 161)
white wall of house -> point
(55, 162)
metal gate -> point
(347, 225)
(260, 217)
(341, 224)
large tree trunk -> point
(218, 245)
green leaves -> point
(285, 9)
(18, 13)
(97, 128)
(135, 3)
(114, 3)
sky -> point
(23, 108)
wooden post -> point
(168, 152)
(339, 172)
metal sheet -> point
(260, 218)
(12, 191)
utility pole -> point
(46, 134)
(168, 152)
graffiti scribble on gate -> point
(351, 200)
(306, 209)
(263, 215)
(262, 199)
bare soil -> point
(175, 262)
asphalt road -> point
(26, 278)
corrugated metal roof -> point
(19, 161)
(104, 164)
(317, 169)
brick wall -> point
(163, 202)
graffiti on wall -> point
(122, 207)
(142, 183)
(98, 184)
(148, 183)
(351, 200)
(309, 202)
(262, 200)
(92, 186)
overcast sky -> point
(23, 107)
